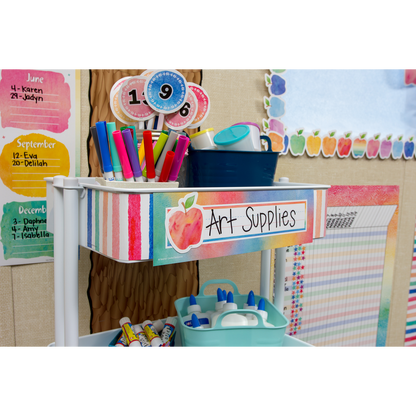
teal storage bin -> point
(231, 336)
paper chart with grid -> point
(333, 285)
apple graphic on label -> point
(344, 145)
(385, 147)
(313, 144)
(409, 148)
(397, 148)
(184, 224)
(297, 143)
(373, 147)
(329, 144)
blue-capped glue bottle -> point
(263, 313)
(221, 301)
(195, 322)
(251, 304)
(232, 319)
(196, 309)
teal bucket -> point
(231, 336)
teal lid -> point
(231, 135)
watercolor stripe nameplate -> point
(119, 226)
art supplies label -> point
(219, 223)
(202, 321)
(210, 224)
(23, 230)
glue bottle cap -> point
(230, 302)
(220, 296)
(195, 321)
(250, 299)
(261, 310)
(193, 307)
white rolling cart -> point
(66, 218)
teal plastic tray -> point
(231, 336)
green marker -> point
(118, 172)
(157, 150)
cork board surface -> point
(138, 291)
(7, 338)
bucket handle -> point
(269, 142)
(218, 281)
(260, 323)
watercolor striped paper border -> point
(120, 226)
(410, 337)
(320, 210)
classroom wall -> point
(26, 292)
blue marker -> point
(118, 170)
(105, 152)
(97, 146)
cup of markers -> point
(121, 158)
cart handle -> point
(217, 281)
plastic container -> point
(220, 336)
(254, 134)
(234, 138)
(221, 168)
(203, 139)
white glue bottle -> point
(233, 319)
(251, 304)
(195, 322)
(221, 301)
(263, 313)
(196, 309)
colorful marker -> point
(122, 154)
(93, 131)
(167, 166)
(133, 134)
(105, 151)
(148, 154)
(157, 150)
(132, 155)
(181, 147)
(173, 135)
(118, 170)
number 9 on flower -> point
(166, 91)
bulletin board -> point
(378, 104)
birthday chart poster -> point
(202, 225)
(338, 288)
(39, 137)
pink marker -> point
(122, 154)
(180, 150)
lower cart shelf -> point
(102, 339)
